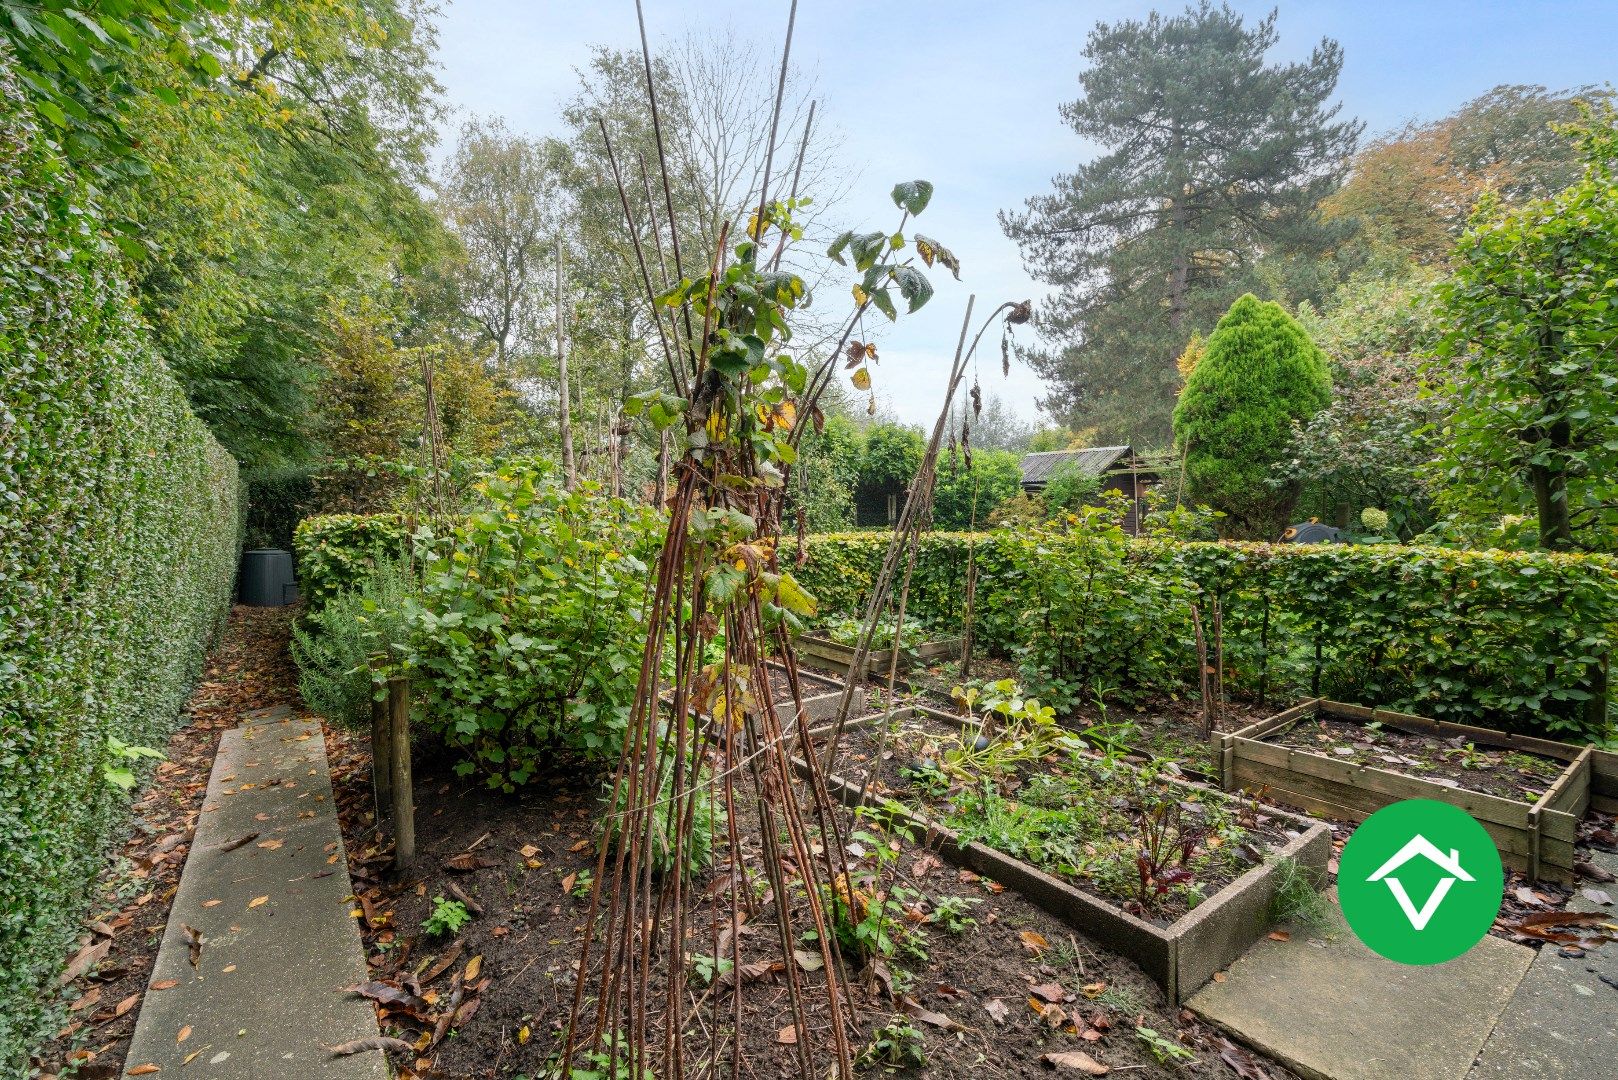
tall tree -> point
(1529, 319)
(500, 194)
(1215, 159)
(1260, 377)
(1410, 192)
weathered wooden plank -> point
(1604, 776)
(1341, 802)
(1501, 740)
(1345, 711)
(1571, 792)
(1259, 728)
(1477, 803)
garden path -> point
(1330, 1009)
(1563, 1019)
(249, 979)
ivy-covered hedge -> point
(336, 551)
(119, 528)
(1511, 640)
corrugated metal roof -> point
(1037, 468)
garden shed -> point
(1118, 467)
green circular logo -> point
(1420, 882)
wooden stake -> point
(381, 756)
(1219, 663)
(1202, 673)
(404, 801)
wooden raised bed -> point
(1536, 837)
(1180, 957)
(825, 653)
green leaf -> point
(913, 286)
(884, 303)
(913, 195)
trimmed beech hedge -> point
(1511, 640)
(119, 528)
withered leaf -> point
(1077, 1060)
(468, 861)
(372, 1042)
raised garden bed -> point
(1179, 953)
(1348, 761)
(823, 652)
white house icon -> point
(1450, 864)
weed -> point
(1165, 1049)
(447, 918)
(705, 969)
(1297, 898)
(1121, 1000)
(1469, 756)
(951, 913)
(582, 884)
(895, 1045)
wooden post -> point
(1219, 663)
(381, 755)
(404, 803)
(1202, 673)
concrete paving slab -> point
(1330, 1009)
(1563, 1020)
(265, 890)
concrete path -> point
(249, 980)
(1563, 1020)
(1331, 1009)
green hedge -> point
(336, 551)
(119, 527)
(1510, 640)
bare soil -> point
(1510, 774)
(971, 998)
(901, 767)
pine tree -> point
(1258, 378)
(1215, 162)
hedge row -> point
(118, 537)
(1504, 639)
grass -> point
(1298, 899)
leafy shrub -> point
(119, 528)
(1070, 489)
(528, 635)
(1089, 621)
(1259, 376)
(338, 551)
(1509, 640)
(965, 497)
(334, 646)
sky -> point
(965, 94)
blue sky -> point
(965, 94)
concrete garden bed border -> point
(1535, 837)
(1180, 957)
(826, 653)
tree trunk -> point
(569, 471)
(1550, 497)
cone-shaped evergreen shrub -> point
(1259, 374)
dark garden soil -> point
(989, 1002)
(1510, 774)
(249, 670)
(1160, 727)
(901, 767)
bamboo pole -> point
(404, 802)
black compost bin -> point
(267, 579)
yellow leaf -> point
(473, 966)
(523, 1035)
(862, 379)
(257, 900)
(861, 297)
